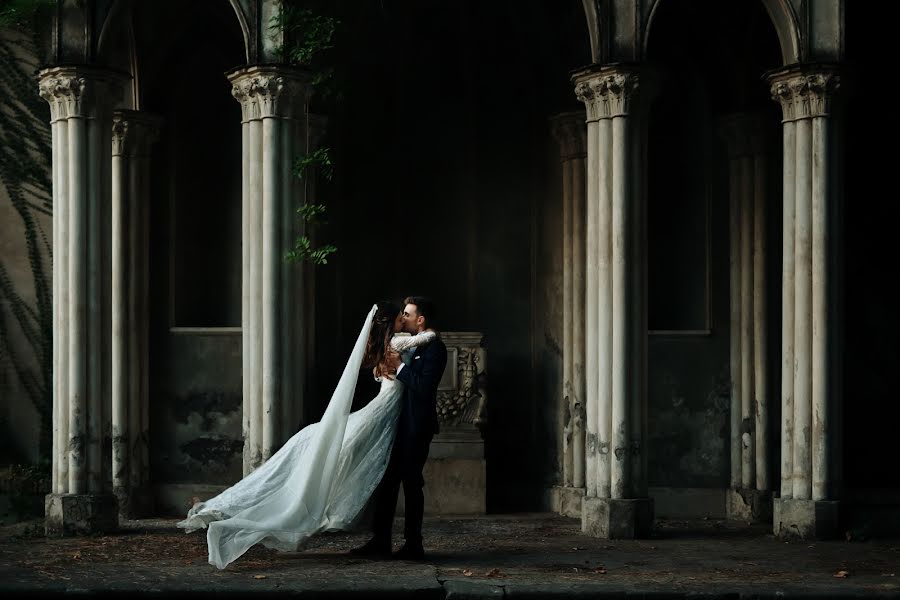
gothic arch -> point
(782, 15)
(245, 28)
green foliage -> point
(303, 250)
(307, 34)
(21, 14)
(25, 166)
(319, 159)
(311, 213)
(310, 33)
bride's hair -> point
(380, 336)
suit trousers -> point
(405, 466)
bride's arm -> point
(401, 343)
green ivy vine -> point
(308, 35)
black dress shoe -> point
(410, 552)
(374, 548)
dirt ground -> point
(506, 552)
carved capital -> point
(79, 91)
(270, 92)
(133, 132)
(805, 93)
(608, 92)
(570, 132)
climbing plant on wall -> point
(309, 34)
(25, 167)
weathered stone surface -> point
(566, 501)
(749, 505)
(617, 518)
(80, 514)
(453, 486)
(805, 519)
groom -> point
(417, 425)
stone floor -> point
(533, 555)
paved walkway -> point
(520, 555)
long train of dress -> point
(320, 480)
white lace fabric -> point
(320, 480)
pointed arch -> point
(783, 17)
(245, 28)
(787, 27)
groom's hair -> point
(424, 307)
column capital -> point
(270, 91)
(79, 90)
(570, 132)
(133, 132)
(611, 91)
(805, 91)
(742, 134)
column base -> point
(135, 503)
(566, 501)
(624, 519)
(743, 504)
(806, 519)
(80, 514)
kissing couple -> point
(324, 475)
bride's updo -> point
(380, 336)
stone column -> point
(570, 133)
(808, 506)
(617, 104)
(133, 133)
(273, 102)
(81, 100)
(749, 497)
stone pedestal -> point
(455, 474)
(744, 504)
(567, 501)
(608, 518)
(80, 514)
(806, 519)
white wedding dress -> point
(320, 480)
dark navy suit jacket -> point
(418, 416)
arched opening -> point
(444, 179)
(870, 320)
(709, 64)
(195, 242)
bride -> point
(322, 477)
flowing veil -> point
(285, 501)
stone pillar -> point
(808, 506)
(81, 100)
(617, 101)
(273, 102)
(133, 133)
(570, 132)
(749, 497)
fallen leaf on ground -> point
(468, 572)
(494, 573)
(842, 574)
(77, 555)
(601, 570)
(259, 576)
